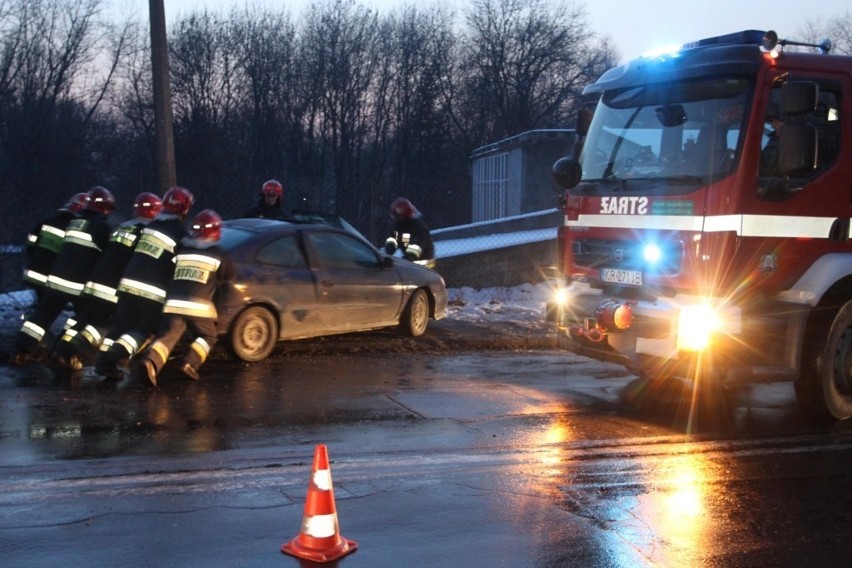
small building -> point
(513, 176)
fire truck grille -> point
(629, 255)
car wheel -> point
(415, 317)
(254, 334)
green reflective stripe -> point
(33, 276)
(126, 237)
(107, 293)
(142, 290)
(154, 243)
(81, 238)
(63, 285)
(91, 334)
(69, 335)
(33, 330)
(201, 347)
(189, 308)
(50, 230)
(128, 343)
(50, 238)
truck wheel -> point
(825, 388)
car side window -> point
(336, 250)
(825, 119)
(284, 252)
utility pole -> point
(166, 175)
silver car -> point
(299, 280)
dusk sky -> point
(634, 27)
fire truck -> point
(707, 206)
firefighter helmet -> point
(401, 208)
(147, 205)
(272, 188)
(207, 226)
(178, 201)
(76, 204)
(100, 199)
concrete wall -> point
(500, 264)
(508, 266)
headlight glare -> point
(696, 326)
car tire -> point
(825, 388)
(415, 316)
(254, 334)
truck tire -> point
(825, 388)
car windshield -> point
(685, 132)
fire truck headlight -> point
(695, 327)
(652, 254)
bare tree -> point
(339, 57)
(837, 29)
(528, 61)
(58, 62)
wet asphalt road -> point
(453, 458)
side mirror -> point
(567, 172)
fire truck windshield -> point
(684, 134)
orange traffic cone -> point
(320, 539)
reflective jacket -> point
(151, 265)
(85, 238)
(107, 272)
(199, 270)
(43, 244)
(413, 232)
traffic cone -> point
(320, 539)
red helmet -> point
(147, 205)
(207, 226)
(76, 204)
(100, 200)
(272, 188)
(401, 208)
(178, 201)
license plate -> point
(620, 276)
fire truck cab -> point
(707, 212)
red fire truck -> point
(707, 207)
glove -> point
(390, 245)
(413, 252)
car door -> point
(356, 289)
(280, 276)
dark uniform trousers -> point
(172, 328)
(140, 316)
(35, 328)
(88, 332)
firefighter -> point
(269, 202)
(99, 298)
(201, 267)
(45, 240)
(85, 238)
(142, 288)
(410, 234)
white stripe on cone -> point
(320, 526)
